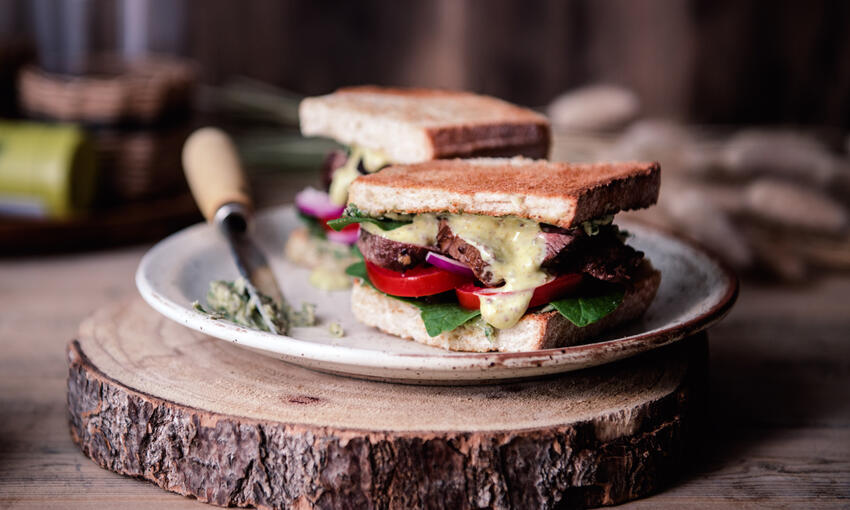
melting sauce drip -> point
(514, 250)
(373, 160)
(512, 247)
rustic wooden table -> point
(780, 395)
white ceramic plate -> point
(695, 292)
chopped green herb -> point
(336, 330)
(592, 227)
(231, 301)
(489, 331)
(301, 318)
(197, 306)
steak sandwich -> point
(384, 126)
(495, 254)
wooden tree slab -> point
(202, 417)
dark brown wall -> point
(702, 60)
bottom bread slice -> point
(533, 332)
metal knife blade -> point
(233, 221)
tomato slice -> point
(467, 294)
(415, 282)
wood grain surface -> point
(202, 417)
(779, 382)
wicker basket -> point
(139, 164)
(143, 91)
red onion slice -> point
(343, 236)
(317, 203)
(493, 291)
(448, 264)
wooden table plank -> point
(780, 379)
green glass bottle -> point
(46, 170)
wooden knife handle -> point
(214, 172)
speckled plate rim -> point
(442, 365)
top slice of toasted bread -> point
(414, 125)
(562, 194)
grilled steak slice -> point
(603, 256)
(333, 160)
(558, 241)
(608, 258)
(388, 253)
(460, 250)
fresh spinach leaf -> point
(353, 215)
(340, 223)
(592, 305)
(358, 270)
(439, 317)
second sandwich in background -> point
(384, 126)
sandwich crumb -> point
(336, 330)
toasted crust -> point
(561, 194)
(533, 332)
(414, 125)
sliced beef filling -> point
(388, 253)
(559, 241)
(603, 256)
(458, 249)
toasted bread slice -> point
(533, 332)
(414, 125)
(560, 194)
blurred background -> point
(745, 103)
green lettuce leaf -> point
(358, 270)
(437, 316)
(591, 305)
(353, 215)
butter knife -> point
(221, 191)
